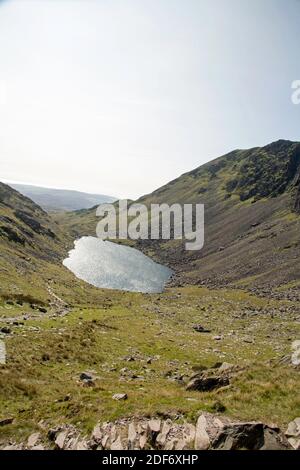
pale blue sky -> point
(121, 96)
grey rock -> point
(120, 396)
(204, 383)
(293, 433)
(86, 376)
(117, 444)
(60, 440)
(33, 440)
(202, 440)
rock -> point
(202, 440)
(274, 440)
(162, 436)
(296, 353)
(82, 445)
(130, 359)
(295, 443)
(293, 429)
(248, 340)
(143, 441)
(153, 429)
(6, 421)
(52, 433)
(85, 376)
(97, 434)
(220, 433)
(38, 447)
(61, 439)
(154, 425)
(120, 396)
(201, 329)
(33, 440)
(237, 436)
(2, 352)
(42, 309)
(132, 436)
(204, 382)
(217, 338)
(12, 447)
(188, 437)
(87, 379)
(293, 433)
(6, 330)
(117, 444)
(226, 366)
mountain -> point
(252, 221)
(61, 199)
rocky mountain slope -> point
(252, 220)
(61, 199)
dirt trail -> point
(57, 307)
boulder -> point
(204, 382)
(220, 433)
(293, 433)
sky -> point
(119, 97)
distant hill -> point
(52, 200)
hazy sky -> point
(121, 96)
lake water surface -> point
(109, 265)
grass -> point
(46, 356)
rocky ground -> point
(209, 433)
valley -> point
(219, 339)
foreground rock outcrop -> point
(210, 432)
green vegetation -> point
(47, 355)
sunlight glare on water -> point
(109, 265)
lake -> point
(109, 265)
